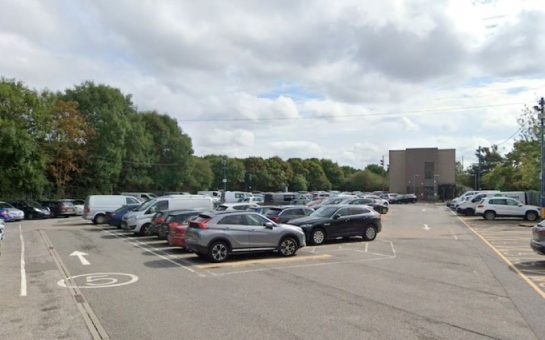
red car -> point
(177, 225)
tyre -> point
(144, 230)
(287, 246)
(489, 215)
(531, 216)
(99, 219)
(318, 236)
(218, 251)
(384, 211)
(369, 233)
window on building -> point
(429, 170)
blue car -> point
(115, 218)
(9, 213)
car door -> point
(340, 224)
(237, 231)
(290, 214)
(499, 205)
(514, 207)
(261, 236)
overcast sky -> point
(283, 77)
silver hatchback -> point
(217, 235)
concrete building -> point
(429, 173)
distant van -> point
(139, 220)
(467, 207)
(96, 206)
(216, 195)
(518, 195)
(144, 196)
(233, 196)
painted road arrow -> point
(81, 257)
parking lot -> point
(428, 273)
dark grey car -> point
(217, 235)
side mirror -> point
(336, 216)
(269, 225)
(520, 205)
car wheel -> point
(370, 233)
(288, 246)
(99, 219)
(531, 216)
(218, 251)
(384, 210)
(318, 236)
(145, 230)
(489, 215)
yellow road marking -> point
(506, 260)
(243, 263)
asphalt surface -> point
(427, 275)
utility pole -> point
(478, 178)
(541, 110)
(224, 175)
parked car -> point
(78, 206)
(221, 234)
(139, 220)
(403, 199)
(9, 213)
(468, 205)
(31, 209)
(141, 196)
(285, 213)
(333, 221)
(491, 207)
(157, 219)
(96, 206)
(236, 206)
(376, 204)
(2, 231)
(175, 227)
(255, 200)
(538, 238)
(114, 218)
(60, 208)
(176, 217)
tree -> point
(376, 169)
(316, 178)
(69, 134)
(334, 173)
(299, 183)
(22, 132)
(200, 175)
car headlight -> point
(37, 210)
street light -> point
(414, 183)
(540, 109)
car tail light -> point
(203, 224)
(480, 206)
(160, 220)
(86, 210)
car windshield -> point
(146, 205)
(4, 205)
(34, 204)
(324, 212)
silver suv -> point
(217, 235)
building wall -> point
(421, 170)
(397, 171)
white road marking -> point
(423, 209)
(426, 227)
(366, 247)
(23, 271)
(81, 257)
(453, 234)
(154, 252)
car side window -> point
(498, 201)
(308, 212)
(512, 202)
(255, 220)
(233, 219)
(343, 212)
(240, 207)
(162, 205)
(355, 211)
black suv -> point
(343, 220)
(32, 209)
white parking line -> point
(23, 271)
(426, 227)
(453, 234)
(155, 251)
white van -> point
(139, 220)
(518, 195)
(216, 195)
(143, 196)
(467, 207)
(233, 196)
(96, 206)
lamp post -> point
(414, 183)
(540, 109)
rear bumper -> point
(176, 241)
(196, 248)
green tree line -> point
(517, 170)
(92, 139)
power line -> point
(373, 114)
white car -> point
(492, 207)
(236, 206)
